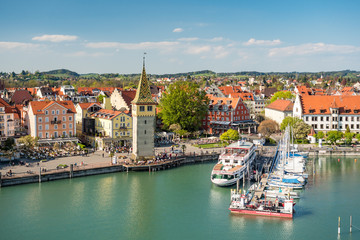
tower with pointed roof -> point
(143, 112)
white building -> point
(278, 110)
(326, 113)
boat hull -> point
(261, 213)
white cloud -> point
(188, 39)
(313, 48)
(133, 46)
(216, 39)
(55, 38)
(197, 49)
(178, 30)
(14, 45)
(253, 41)
(220, 52)
(87, 54)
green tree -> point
(320, 135)
(333, 136)
(282, 95)
(348, 137)
(184, 104)
(101, 98)
(358, 137)
(28, 141)
(301, 130)
(268, 127)
(230, 134)
(289, 121)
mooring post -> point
(350, 224)
(149, 169)
(0, 180)
(339, 226)
(40, 175)
(71, 170)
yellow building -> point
(112, 127)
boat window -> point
(227, 161)
(235, 161)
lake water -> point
(179, 203)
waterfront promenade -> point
(97, 159)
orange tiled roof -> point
(322, 104)
(87, 105)
(108, 114)
(38, 107)
(230, 89)
(223, 100)
(281, 105)
(244, 96)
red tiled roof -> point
(38, 107)
(322, 104)
(223, 100)
(20, 96)
(244, 96)
(230, 89)
(281, 105)
(128, 96)
(87, 105)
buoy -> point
(338, 159)
(355, 160)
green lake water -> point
(179, 203)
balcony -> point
(55, 122)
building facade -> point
(326, 113)
(51, 119)
(279, 109)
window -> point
(46, 119)
(327, 118)
(321, 118)
(70, 118)
(116, 125)
(47, 127)
(70, 133)
(144, 131)
(142, 108)
(55, 126)
(149, 108)
(64, 134)
(70, 125)
(306, 118)
(340, 118)
(57, 112)
(46, 112)
(40, 127)
(128, 133)
(64, 126)
(40, 135)
(40, 119)
(47, 135)
(53, 112)
(63, 111)
(55, 134)
(145, 122)
(64, 119)
(116, 133)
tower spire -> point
(143, 93)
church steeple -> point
(143, 93)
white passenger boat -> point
(233, 163)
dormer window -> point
(312, 110)
(322, 111)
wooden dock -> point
(260, 189)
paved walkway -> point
(99, 157)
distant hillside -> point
(62, 73)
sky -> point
(111, 36)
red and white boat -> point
(245, 204)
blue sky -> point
(179, 36)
